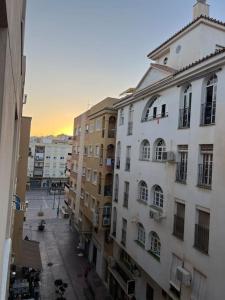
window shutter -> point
(198, 286)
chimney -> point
(200, 8)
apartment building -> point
(48, 161)
(91, 181)
(12, 78)
(168, 199)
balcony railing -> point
(205, 175)
(125, 199)
(112, 133)
(130, 128)
(127, 165)
(208, 113)
(201, 238)
(123, 237)
(117, 162)
(108, 190)
(178, 227)
(184, 117)
(181, 172)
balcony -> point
(201, 238)
(127, 165)
(130, 128)
(181, 172)
(178, 227)
(205, 175)
(108, 190)
(208, 113)
(184, 118)
(125, 199)
(112, 133)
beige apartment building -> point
(91, 181)
(12, 78)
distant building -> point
(91, 181)
(168, 214)
(47, 161)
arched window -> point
(141, 234)
(185, 107)
(160, 150)
(114, 221)
(158, 196)
(118, 153)
(143, 191)
(145, 150)
(146, 116)
(155, 245)
(208, 111)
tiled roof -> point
(217, 52)
(184, 28)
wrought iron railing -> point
(205, 175)
(184, 117)
(208, 113)
(201, 238)
(181, 172)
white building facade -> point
(168, 204)
(48, 159)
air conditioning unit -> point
(155, 214)
(106, 221)
(170, 156)
(95, 219)
(183, 276)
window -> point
(85, 150)
(88, 174)
(157, 196)
(124, 232)
(165, 60)
(178, 225)
(154, 112)
(116, 188)
(149, 292)
(202, 231)
(143, 191)
(205, 167)
(90, 150)
(145, 150)
(208, 109)
(148, 113)
(118, 153)
(121, 117)
(97, 150)
(98, 125)
(141, 234)
(86, 199)
(155, 245)
(83, 171)
(198, 286)
(126, 194)
(114, 221)
(174, 282)
(160, 150)
(94, 177)
(163, 111)
(181, 170)
(185, 108)
(86, 128)
(128, 156)
(130, 120)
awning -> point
(29, 256)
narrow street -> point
(58, 246)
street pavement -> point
(58, 247)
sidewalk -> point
(58, 246)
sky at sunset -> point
(81, 51)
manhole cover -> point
(50, 264)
